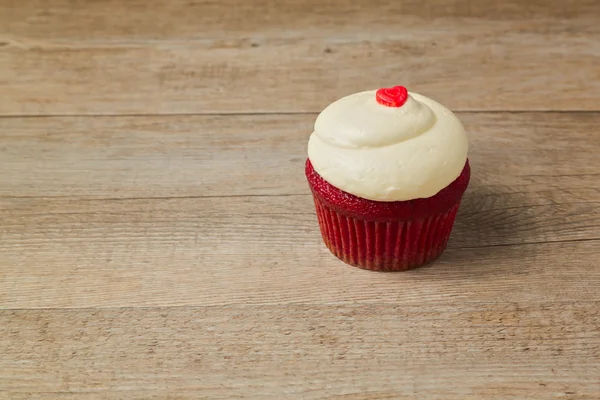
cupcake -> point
(387, 169)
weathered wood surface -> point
(175, 210)
(145, 255)
(446, 350)
(242, 155)
(181, 56)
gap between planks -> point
(267, 113)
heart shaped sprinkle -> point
(392, 97)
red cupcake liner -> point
(384, 246)
(385, 236)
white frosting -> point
(388, 153)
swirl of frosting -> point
(388, 153)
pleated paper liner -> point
(384, 246)
(386, 236)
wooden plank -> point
(449, 350)
(178, 19)
(110, 57)
(268, 250)
(553, 155)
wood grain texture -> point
(140, 57)
(151, 258)
(207, 156)
(154, 256)
(130, 211)
(491, 350)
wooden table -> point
(157, 235)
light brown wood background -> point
(157, 236)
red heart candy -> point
(392, 97)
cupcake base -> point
(384, 246)
(385, 236)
